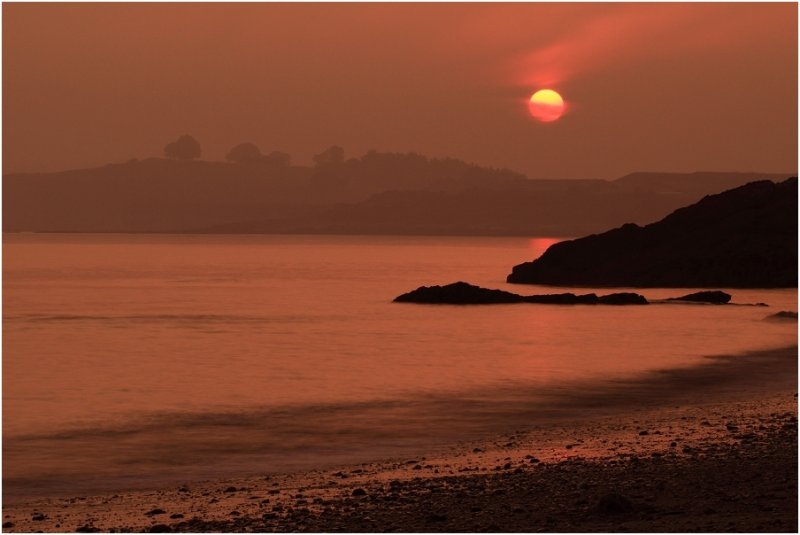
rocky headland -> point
(742, 238)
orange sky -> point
(661, 87)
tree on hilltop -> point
(244, 153)
(184, 148)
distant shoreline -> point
(730, 409)
(376, 234)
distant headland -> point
(377, 193)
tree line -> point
(187, 147)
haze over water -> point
(141, 359)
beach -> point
(711, 447)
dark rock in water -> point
(462, 293)
(458, 293)
(742, 238)
(783, 315)
(714, 296)
(623, 298)
(562, 299)
(614, 504)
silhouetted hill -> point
(379, 193)
(164, 195)
(531, 207)
(744, 237)
(701, 182)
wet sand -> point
(708, 448)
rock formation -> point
(742, 238)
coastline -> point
(707, 448)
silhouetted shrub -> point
(184, 148)
(244, 153)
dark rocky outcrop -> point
(458, 293)
(714, 296)
(462, 293)
(742, 238)
(783, 315)
(563, 299)
(624, 298)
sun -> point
(546, 105)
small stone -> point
(154, 512)
(230, 489)
(39, 517)
(176, 515)
(359, 492)
(8, 524)
(643, 433)
(160, 528)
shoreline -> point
(626, 459)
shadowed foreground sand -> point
(709, 448)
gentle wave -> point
(168, 448)
(159, 318)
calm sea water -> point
(136, 360)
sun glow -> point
(546, 105)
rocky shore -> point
(718, 455)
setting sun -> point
(546, 105)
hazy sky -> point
(660, 87)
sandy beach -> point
(707, 448)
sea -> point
(138, 361)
